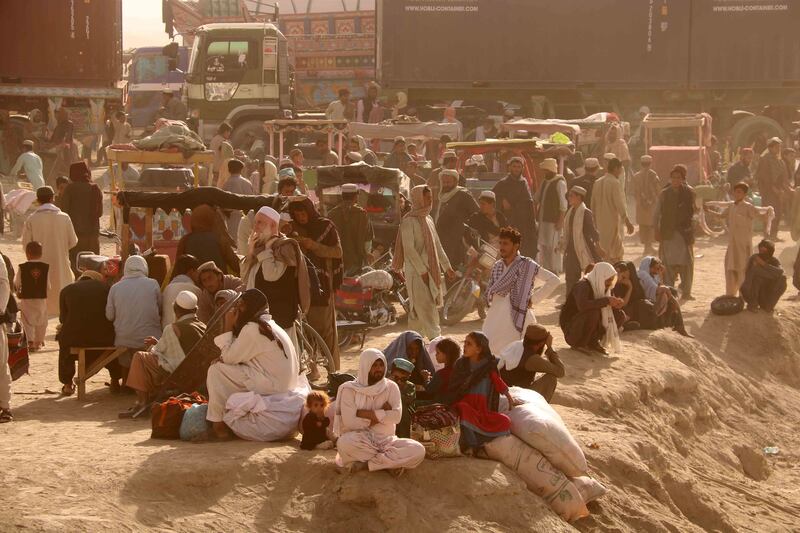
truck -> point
(58, 55)
(149, 74)
(735, 60)
(238, 73)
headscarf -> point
(255, 311)
(270, 180)
(421, 213)
(649, 282)
(80, 172)
(361, 384)
(135, 267)
(597, 278)
(398, 349)
(203, 218)
(464, 376)
(637, 292)
(321, 230)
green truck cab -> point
(238, 73)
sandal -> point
(67, 390)
(130, 412)
(6, 416)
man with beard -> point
(211, 280)
(516, 203)
(510, 292)
(488, 221)
(739, 172)
(276, 266)
(320, 242)
(449, 162)
(456, 205)
(367, 413)
(551, 201)
(591, 168)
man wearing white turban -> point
(367, 412)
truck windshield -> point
(149, 69)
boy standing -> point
(31, 284)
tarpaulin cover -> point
(194, 197)
(412, 130)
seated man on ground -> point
(149, 369)
(400, 372)
(83, 323)
(212, 280)
(256, 356)
(134, 305)
(367, 413)
(521, 360)
(764, 280)
(587, 318)
(665, 304)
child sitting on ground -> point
(447, 353)
(315, 423)
(31, 284)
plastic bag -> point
(194, 425)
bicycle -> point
(315, 358)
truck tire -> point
(746, 130)
(241, 131)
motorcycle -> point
(463, 296)
(366, 302)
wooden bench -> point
(108, 355)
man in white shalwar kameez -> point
(511, 294)
(256, 356)
(611, 211)
(53, 229)
(367, 412)
(419, 254)
(741, 215)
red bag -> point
(18, 360)
(166, 417)
(351, 296)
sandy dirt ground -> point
(674, 427)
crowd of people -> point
(278, 266)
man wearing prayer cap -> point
(591, 169)
(275, 265)
(772, 178)
(355, 230)
(54, 230)
(456, 205)
(400, 373)
(149, 369)
(353, 157)
(646, 187)
(551, 201)
(31, 164)
(488, 221)
(367, 413)
(581, 239)
(257, 356)
(515, 201)
(449, 163)
(521, 360)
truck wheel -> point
(745, 131)
(239, 137)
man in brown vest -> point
(149, 369)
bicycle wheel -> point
(315, 355)
(458, 302)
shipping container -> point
(745, 43)
(61, 42)
(534, 43)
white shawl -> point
(578, 238)
(597, 277)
